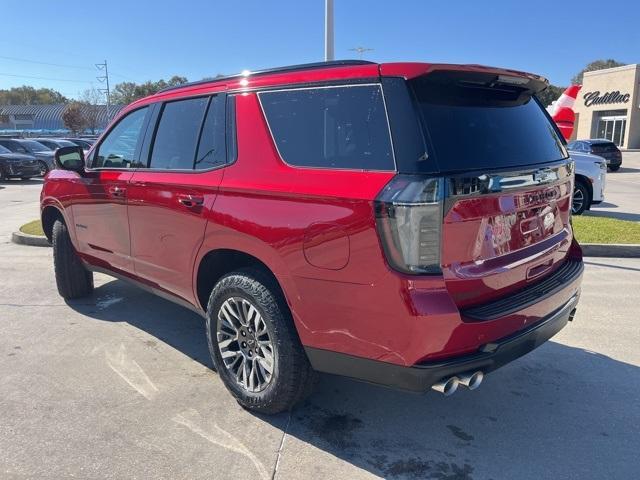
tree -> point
(550, 94)
(26, 95)
(91, 101)
(127, 92)
(595, 65)
(74, 118)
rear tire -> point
(246, 310)
(72, 278)
(581, 198)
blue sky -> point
(144, 40)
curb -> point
(620, 250)
(31, 240)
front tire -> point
(43, 167)
(614, 168)
(581, 198)
(254, 345)
(72, 278)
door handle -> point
(191, 201)
(117, 191)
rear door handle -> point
(117, 191)
(191, 201)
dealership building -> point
(608, 106)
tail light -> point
(409, 222)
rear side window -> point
(176, 138)
(212, 148)
(333, 127)
(473, 123)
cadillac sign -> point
(594, 98)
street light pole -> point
(328, 31)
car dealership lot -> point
(622, 193)
(119, 386)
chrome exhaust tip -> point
(471, 380)
(447, 386)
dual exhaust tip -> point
(448, 386)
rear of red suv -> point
(403, 224)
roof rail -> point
(290, 68)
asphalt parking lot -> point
(119, 386)
(622, 191)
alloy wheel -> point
(578, 200)
(245, 345)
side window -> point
(176, 138)
(212, 148)
(118, 148)
(334, 127)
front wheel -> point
(72, 278)
(43, 167)
(254, 345)
(581, 198)
(615, 168)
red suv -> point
(406, 224)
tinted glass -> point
(212, 148)
(35, 146)
(476, 127)
(49, 144)
(177, 134)
(4, 149)
(118, 148)
(13, 146)
(337, 127)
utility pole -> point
(328, 31)
(105, 79)
(361, 50)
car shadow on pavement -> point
(559, 412)
(625, 170)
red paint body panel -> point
(316, 231)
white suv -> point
(591, 172)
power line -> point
(44, 78)
(25, 60)
(38, 62)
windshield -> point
(34, 146)
(477, 126)
(4, 149)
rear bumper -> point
(421, 377)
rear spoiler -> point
(529, 81)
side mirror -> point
(70, 158)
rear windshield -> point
(475, 124)
(603, 147)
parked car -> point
(85, 143)
(43, 154)
(601, 147)
(588, 188)
(54, 143)
(17, 165)
(405, 224)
